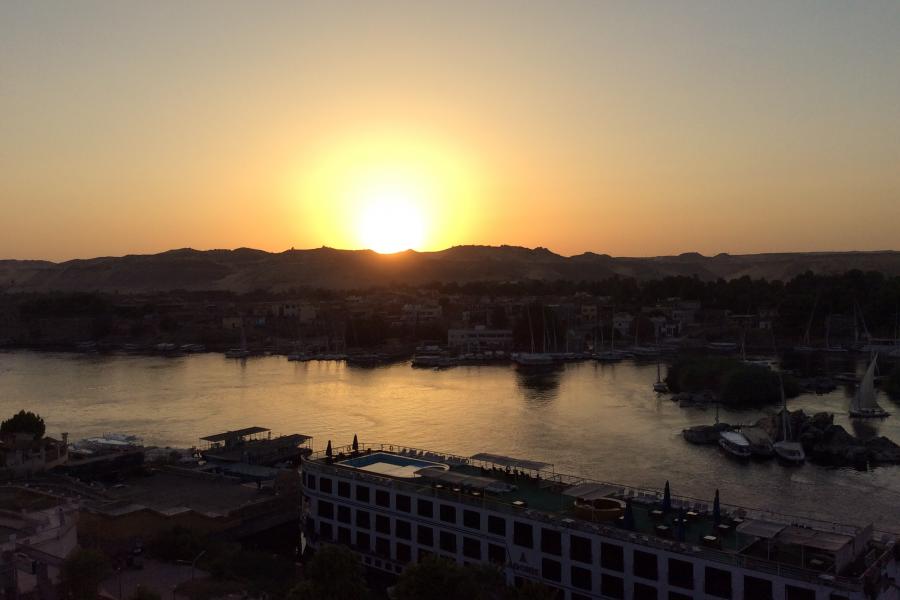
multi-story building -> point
(395, 505)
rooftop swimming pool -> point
(394, 465)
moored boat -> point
(863, 405)
(735, 444)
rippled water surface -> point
(600, 421)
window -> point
(681, 573)
(496, 525)
(551, 569)
(551, 541)
(677, 596)
(344, 514)
(383, 547)
(362, 493)
(642, 591)
(612, 586)
(404, 553)
(448, 542)
(497, 554)
(523, 534)
(325, 485)
(311, 481)
(423, 554)
(363, 519)
(382, 524)
(403, 529)
(645, 564)
(344, 535)
(362, 540)
(796, 593)
(448, 513)
(581, 578)
(326, 509)
(754, 587)
(382, 498)
(425, 508)
(424, 535)
(580, 549)
(575, 596)
(344, 489)
(325, 531)
(612, 557)
(718, 583)
(404, 504)
(471, 548)
(472, 519)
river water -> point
(599, 421)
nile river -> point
(600, 421)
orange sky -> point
(625, 128)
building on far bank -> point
(479, 338)
(21, 455)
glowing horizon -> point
(631, 129)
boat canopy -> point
(591, 491)
(221, 437)
(735, 438)
(476, 482)
(508, 461)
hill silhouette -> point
(247, 269)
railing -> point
(485, 502)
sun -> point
(391, 217)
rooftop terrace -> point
(801, 547)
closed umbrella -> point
(717, 510)
(628, 519)
(667, 498)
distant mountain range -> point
(245, 269)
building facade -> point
(396, 505)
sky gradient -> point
(627, 128)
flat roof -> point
(814, 538)
(761, 529)
(168, 490)
(508, 461)
(221, 437)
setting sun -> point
(388, 192)
(391, 219)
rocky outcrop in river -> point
(823, 441)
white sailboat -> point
(787, 450)
(863, 404)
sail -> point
(865, 395)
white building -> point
(588, 540)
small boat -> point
(533, 359)
(791, 452)
(863, 405)
(241, 352)
(660, 386)
(735, 444)
(787, 450)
